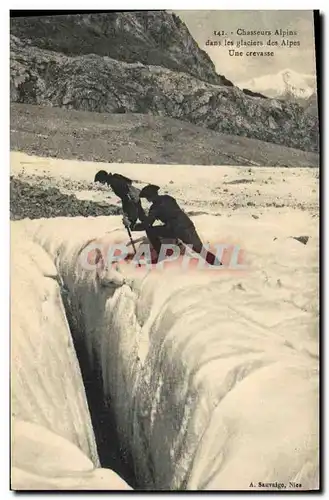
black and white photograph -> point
(164, 250)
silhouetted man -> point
(177, 224)
(129, 195)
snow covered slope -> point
(286, 83)
(213, 377)
(42, 460)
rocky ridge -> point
(149, 37)
(101, 83)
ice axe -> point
(131, 239)
(132, 242)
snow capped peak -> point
(285, 83)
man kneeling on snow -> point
(177, 224)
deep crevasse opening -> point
(111, 454)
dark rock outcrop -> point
(143, 83)
(154, 38)
(34, 202)
(301, 239)
(254, 94)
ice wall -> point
(52, 435)
(213, 378)
(42, 460)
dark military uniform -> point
(177, 225)
(131, 206)
(129, 195)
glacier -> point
(212, 377)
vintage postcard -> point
(164, 212)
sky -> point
(202, 24)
